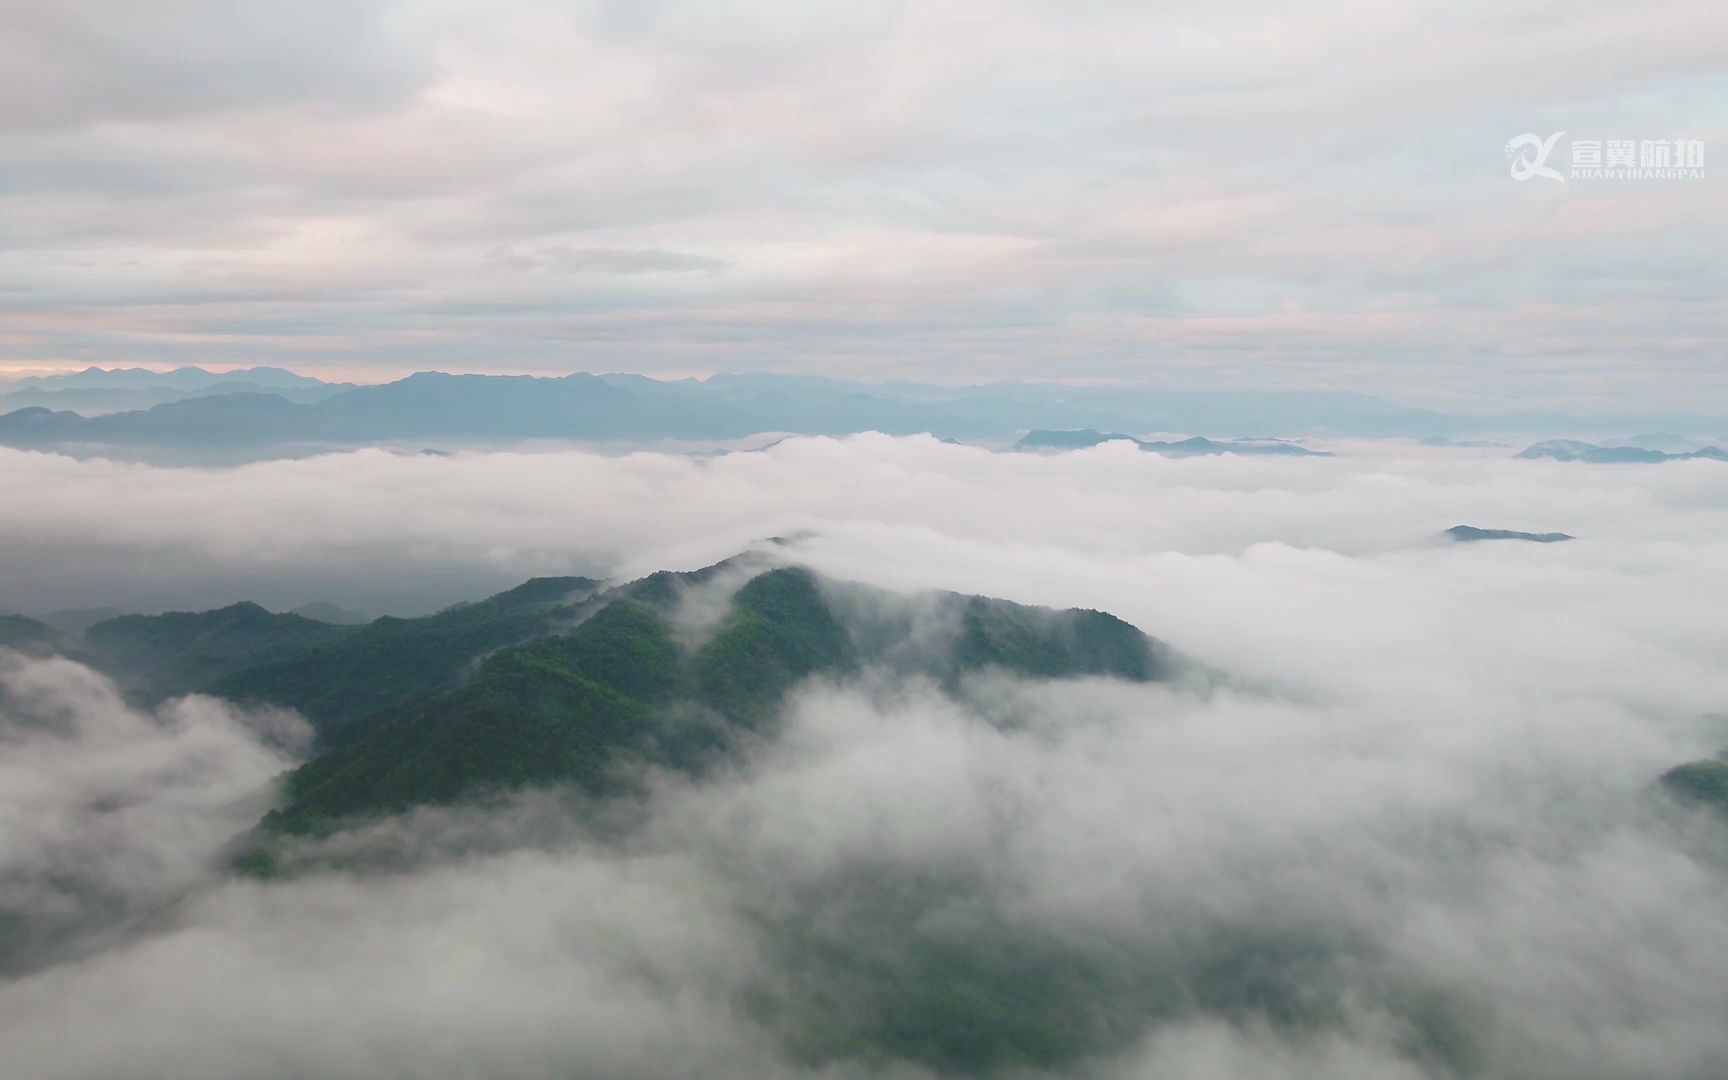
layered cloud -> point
(378, 531)
(1148, 882)
(1004, 188)
(1414, 836)
(108, 811)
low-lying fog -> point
(1416, 837)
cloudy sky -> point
(974, 189)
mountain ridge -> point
(572, 681)
(617, 406)
(1195, 446)
(1594, 454)
(1466, 534)
(624, 687)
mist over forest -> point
(863, 540)
(827, 760)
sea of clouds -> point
(1413, 835)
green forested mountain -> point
(181, 651)
(562, 681)
(391, 661)
(623, 688)
(559, 708)
(1699, 783)
(29, 636)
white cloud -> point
(106, 811)
(1424, 826)
(381, 527)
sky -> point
(1422, 804)
(1178, 193)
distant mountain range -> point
(255, 410)
(92, 402)
(325, 611)
(94, 391)
(182, 378)
(1471, 534)
(432, 406)
(1662, 440)
(1590, 453)
(1194, 447)
(75, 621)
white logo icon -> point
(1529, 153)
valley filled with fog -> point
(769, 540)
(1393, 809)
